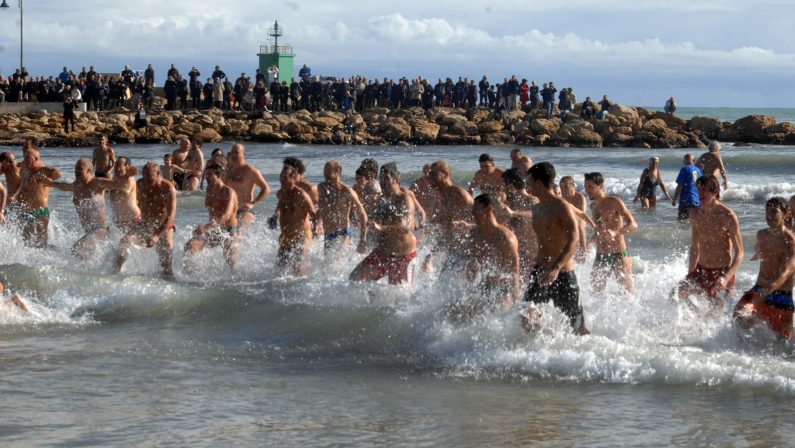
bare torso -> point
(711, 225)
(550, 220)
(607, 216)
(335, 206)
(774, 250)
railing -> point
(282, 49)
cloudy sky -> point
(639, 52)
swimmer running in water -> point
(336, 203)
(222, 228)
(647, 187)
(716, 248)
(295, 209)
(770, 299)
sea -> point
(254, 357)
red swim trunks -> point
(395, 267)
(707, 279)
(777, 316)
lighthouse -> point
(279, 55)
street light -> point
(4, 5)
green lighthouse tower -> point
(279, 55)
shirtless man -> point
(519, 161)
(495, 251)
(194, 165)
(521, 224)
(337, 202)
(294, 209)
(222, 229)
(568, 191)
(423, 189)
(168, 170)
(553, 276)
(369, 193)
(716, 248)
(393, 223)
(103, 159)
(157, 199)
(488, 178)
(613, 220)
(13, 172)
(32, 197)
(243, 178)
(88, 196)
(452, 204)
(770, 300)
(178, 157)
(712, 163)
(647, 187)
(123, 195)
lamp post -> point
(4, 5)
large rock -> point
(396, 129)
(327, 122)
(210, 135)
(671, 121)
(545, 126)
(490, 126)
(497, 138)
(463, 128)
(425, 131)
(753, 128)
(710, 127)
(451, 119)
(655, 126)
(295, 128)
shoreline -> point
(623, 127)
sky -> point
(706, 53)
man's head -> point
(167, 159)
(6, 159)
(516, 153)
(295, 163)
(213, 174)
(708, 187)
(196, 141)
(123, 167)
(83, 169)
(776, 211)
(486, 162)
(151, 173)
(289, 175)
(184, 143)
(594, 184)
(103, 140)
(542, 177)
(714, 146)
(370, 167)
(513, 179)
(237, 155)
(483, 207)
(688, 159)
(567, 185)
(332, 171)
(389, 177)
(440, 172)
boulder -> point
(451, 119)
(497, 138)
(490, 126)
(545, 126)
(478, 114)
(710, 127)
(295, 128)
(753, 128)
(463, 128)
(582, 136)
(210, 135)
(396, 129)
(655, 126)
(671, 121)
(327, 123)
(425, 131)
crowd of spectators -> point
(265, 91)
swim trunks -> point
(563, 292)
(395, 267)
(126, 224)
(295, 242)
(340, 234)
(707, 279)
(100, 174)
(39, 213)
(684, 210)
(603, 261)
(179, 179)
(776, 310)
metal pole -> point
(21, 27)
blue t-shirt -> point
(687, 179)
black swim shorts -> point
(564, 293)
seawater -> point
(251, 357)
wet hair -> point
(296, 163)
(360, 172)
(485, 200)
(197, 139)
(567, 179)
(167, 156)
(335, 166)
(543, 172)
(513, 177)
(444, 167)
(391, 169)
(595, 177)
(711, 182)
(779, 203)
(485, 157)
(214, 168)
(4, 156)
(370, 167)
(216, 151)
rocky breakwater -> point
(623, 127)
